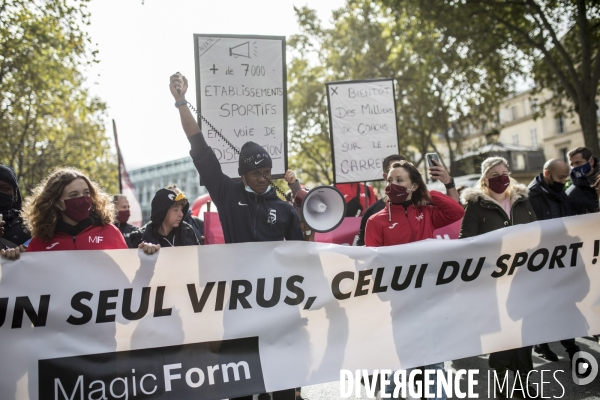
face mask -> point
(123, 216)
(78, 208)
(581, 171)
(556, 186)
(6, 201)
(397, 193)
(499, 184)
(252, 191)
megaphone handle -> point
(244, 158)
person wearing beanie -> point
(13, 231)
(249, 210)
(166, 226)
(122, 216)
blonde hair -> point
(488, 164)
(41, 213)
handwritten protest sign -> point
(241, 90)
(362, 121)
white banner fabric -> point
(223, 320)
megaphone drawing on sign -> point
(323, 208)
(241, 50)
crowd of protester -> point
(67, 211)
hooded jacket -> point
(182, 235)
(582, 196)
(397, 225)
(483, 214)
(244, 216)
(547, 203)
(15, 231)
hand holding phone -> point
(430, 163)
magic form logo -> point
(210, 371)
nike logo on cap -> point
(258, 162)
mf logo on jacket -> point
(95, 239)
(272, 216)
(419, 217)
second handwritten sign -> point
(362, 122)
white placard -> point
(241, 90)
(362, 120)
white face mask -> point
(249, 190)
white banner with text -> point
(222, 321)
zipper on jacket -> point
(75, 242)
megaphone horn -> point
(240, 51)
(323, 208)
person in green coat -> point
(498, 201)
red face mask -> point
(78, 208)
(499, 184)
(123, 216)
(397, 193)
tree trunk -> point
(589, 124)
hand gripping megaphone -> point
(322, 208)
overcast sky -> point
(142, 45)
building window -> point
(534, 138)
(518, 162)
(560, 124)
(513, 112)
(564, 154)
(515, 139)
(534, 105)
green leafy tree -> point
(47, 118)
(437, 85)
(554, 41)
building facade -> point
(520, 123)
(148, 180)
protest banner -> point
(216, 322)
(241, 89)
(362, 123)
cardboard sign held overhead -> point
(362, 122)
(241, 90)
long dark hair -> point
(420, 196)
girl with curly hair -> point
(67, 211)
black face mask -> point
(6, 201)
(556, 186)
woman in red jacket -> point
(67, 211)
(412, 213)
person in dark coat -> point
(250, 210)
(166, 227)
(123, 214)
(496, 202)
(547, 191)
(549, 200)
(196, 223)
(13, 231)
(583, 193)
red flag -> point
(126, 187)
